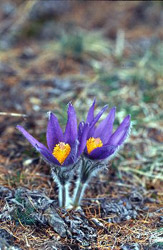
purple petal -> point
(71, 127)
(82, 136)
(90, 115)
(47, 155)
(54, 133)
(38, 146)
(119, 136)
(102, 152)
(80, 129)
(29, 137)
(97, 117)
(72, 157)
(105, 128)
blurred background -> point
(53, 52)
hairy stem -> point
(63, 188)
(63, 197)
(86, 172)
(79, 192)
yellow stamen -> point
(93, 143)
(61, 151)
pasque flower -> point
(62, 147)
(62, 150)
(100, 142)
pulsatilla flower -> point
(101, 142)
(61, 153)
(62, 147)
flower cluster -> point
(86, 147)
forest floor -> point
(74, 51)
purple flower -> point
(100, 141)
(62, 147)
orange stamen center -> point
(93, 143)
(61, 151)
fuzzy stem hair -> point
(87, 170)
(63, 190)
(78, 193)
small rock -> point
(27, 54)
(8, 9)
(63, 84)
(49, 9)
(30, 161)
(136, 197)
(131, 247)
